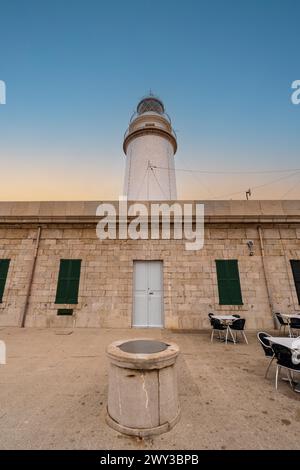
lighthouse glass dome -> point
(150, 104)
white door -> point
(147, 294)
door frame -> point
(162, 292)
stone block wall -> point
(106, 282)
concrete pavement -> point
(53, 393)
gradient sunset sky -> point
(75, 70)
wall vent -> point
(65, 311)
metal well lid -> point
(143, 346)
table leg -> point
(233, 339)
(297, 387)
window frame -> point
(294, 262)
(229, 295)
(68, 282)
(3, 276)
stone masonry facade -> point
(189, 277)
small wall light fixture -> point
(250, 245)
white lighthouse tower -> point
(150, 145)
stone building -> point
(54, 271)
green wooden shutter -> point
(4, 265)
(68, 281)
(229, 282)
(62, 284)
(234, 282)
(224, 298)
(74, 276)
(295, 264)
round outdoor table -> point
(291, 315)
(288, 343)
(227, 320)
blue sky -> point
(75, 69)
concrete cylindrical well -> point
(142, 391)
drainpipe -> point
(28, 292)
(265, 272)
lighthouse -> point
(150, 145)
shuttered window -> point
(295, 264)
(4, 265)
(229, 282)
(68, 281)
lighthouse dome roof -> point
(150, 103)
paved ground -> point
(53, 394)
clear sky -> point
(75, 70)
